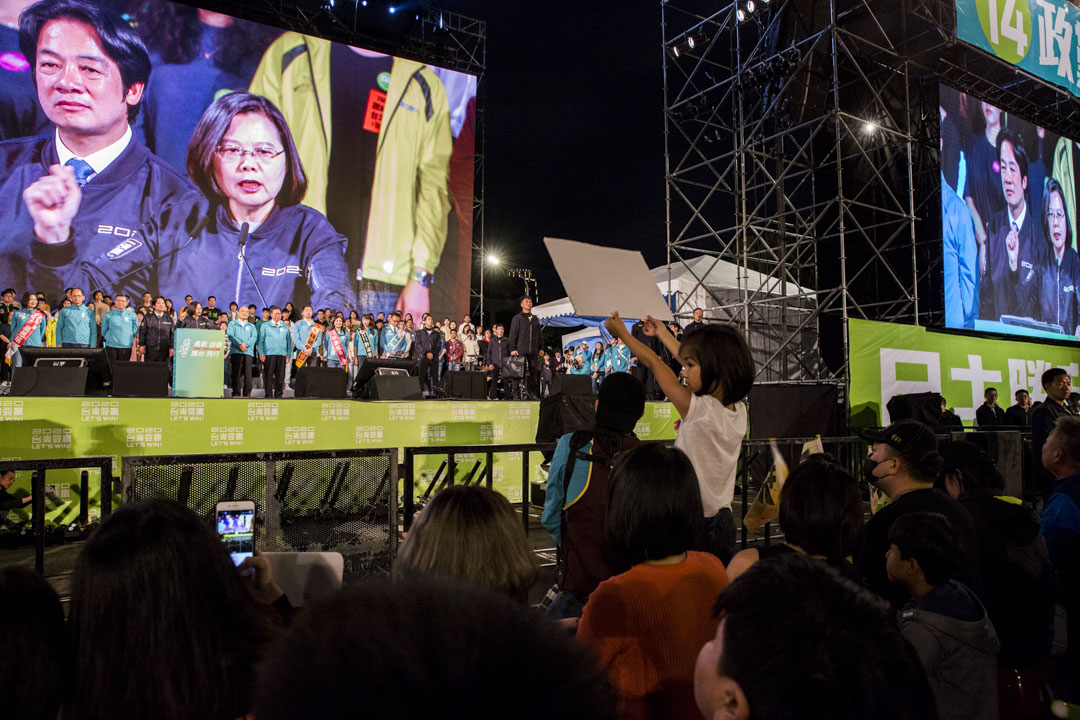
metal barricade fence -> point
(327, 501)
(37, 490)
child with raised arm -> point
(719, 372)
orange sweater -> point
(647, 626)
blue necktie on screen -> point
(82, 169)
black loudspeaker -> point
(49, 381)
(140, 379)
(789, 411)
(924, 407)
(461, 384)
(322, 382)
(565, 384)
(393, 387)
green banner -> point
(198, 369)
(34, 428)
(887, 359)
(1039, 36)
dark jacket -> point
(525, 334)
(989, 416)
(1003, 291)
(427, 341)
(1017, 416)
(1058, 289)
(157, 333)
(1018, 580)
(955, 640)
(1043, 419)
(499, 349)
(107, 231)
(200, 323)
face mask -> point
(868, 471)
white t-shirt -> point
(711, 435)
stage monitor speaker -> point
(393, 387)
(49, 381)
(322, 382)
(791, 411)
(565, 384)
(924, 407)
(462, 384)
(140, 379)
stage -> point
(49, 428)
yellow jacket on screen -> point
(410, 201)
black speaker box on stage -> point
(322, 382)
(393, 387)
(462, 384)
(790, 410)
(924, 407)
(565, 384)
(49, 381)
(140, 379)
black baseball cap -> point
(912, 439)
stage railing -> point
(330, 500)
(447, 472)
(39, 468)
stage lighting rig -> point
(696, 39)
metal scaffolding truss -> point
(802, 146)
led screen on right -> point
(1008, 222)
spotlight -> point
(740, 15)
(870, 126)
(392, 9)
(690, 41)
(493, 259)
(676, 49)
(750, 6)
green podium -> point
(199, 363)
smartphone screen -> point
(237, 529)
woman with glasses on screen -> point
(1060, 277)
(260, 243)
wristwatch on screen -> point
(422, 276)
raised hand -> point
(53, 201)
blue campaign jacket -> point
(394, 342)
(20, 318)
(76, 324)
(328, 347)
(618, 358)
(107, 239)
(358, 343)
(119, 328)
(294, 255)
(242, 332)
(274, 340)
(300, 331)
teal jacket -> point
(246, 333)
(119, 328)
(274, 340)
(76, 324)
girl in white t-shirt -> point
(719, 371)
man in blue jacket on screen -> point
(82, 192)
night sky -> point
(574, 138)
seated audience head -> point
(620, 403)
(836, 651)
(472, 534)
(966, 468)
(155, 593)
(654, 504)
(904, 456)
(34, 666)
(821, 510)
(923, 547)
(1061, 451)
(719, 358)
(414, 648)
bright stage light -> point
(690, 41)
(870, 127)
(493, 259)
(740, 14)
(749, 6)
(393, 9)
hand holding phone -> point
(236, 528)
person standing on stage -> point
(8, 306)
(242, 340)
(119, 328)
(498, 349)
(428, 342)
(698, 322)
(525, 340)
(393, 340)
(1019, 415)
(618, 357)
(274, 345)
(33, 337)
(300, 331)
(1057, 384)
(76, 326)
(196, 319)
(335, 344)
(212, 312)
(156, 334)
(989, 415)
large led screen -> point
(1008, 207)
(156, 147)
